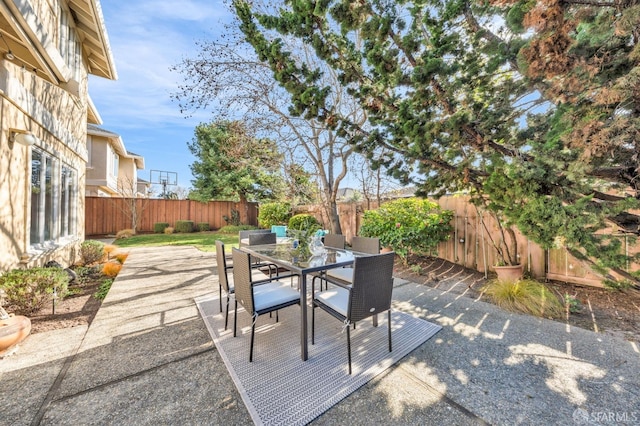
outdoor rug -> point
(278, 387)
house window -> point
(53, 194)
(116, 164)
(89, 151)
(68, 44)
(68, 185)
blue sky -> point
(147, 37)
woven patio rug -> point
(278, 387)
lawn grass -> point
(205, 241)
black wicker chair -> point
(225, 281)
(334, 241)
(365, 245)
(257, 239)
(337, 241)
(244, 235)
(258, 297)
(369, 295)
(362, 245)
(223, 278)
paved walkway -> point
(147, 359)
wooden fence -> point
(469, 244)
(107, 216)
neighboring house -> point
(346, 195)
(144, 188)
(112, 171)
(47, 50)
(404, 192)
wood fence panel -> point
(470, 243)
(107, 216)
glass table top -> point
(297, 258)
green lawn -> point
(205, 241)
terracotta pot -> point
(13, 330)
(509, 272)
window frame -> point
(53, 204)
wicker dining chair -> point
(365, 245)
(244, 235)
(223, 278)
(262, 238)
(362, 245)
(369, 295)
(258, 297)
(334, 241)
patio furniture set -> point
(354, 284)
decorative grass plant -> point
(526, 295)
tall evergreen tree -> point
(531, 106)
(233, 164)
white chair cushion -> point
(273, 294)
(256, 275)
(342, 274)
(337, 298)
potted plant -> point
(13, 329)
(505, 243)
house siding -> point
(51, 104)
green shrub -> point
(528, 296)
(304, 222)
(408, 225)
(184, 226)
(234, 229)
(202, 226)
(159, 227)
(27, 290)
(274, 214)
(91, 251)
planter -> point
(509, 272)
(13, 330)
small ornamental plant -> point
(111, 269)
(125, 233)
(527, 295)
(109, 250)
(91, 251)
(408, 226)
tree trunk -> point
(334, 218)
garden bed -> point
(612, 312)
(77, 309)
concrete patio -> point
(147, 358)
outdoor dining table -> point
(279, 240)
(302, 264)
